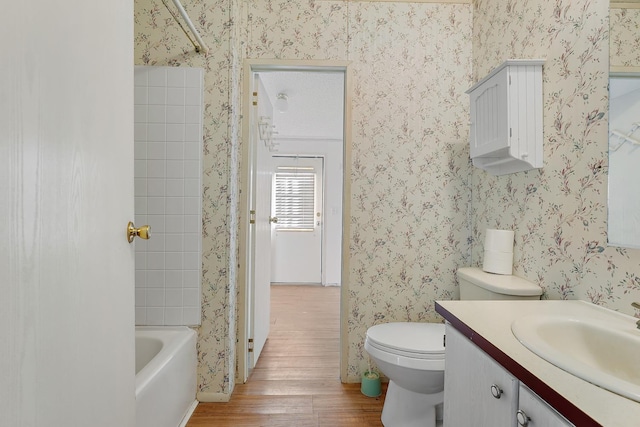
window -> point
(295, 199)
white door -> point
(297, 205)
(66, 195)
(260, 229)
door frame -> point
(244, 305)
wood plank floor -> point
(296, 381)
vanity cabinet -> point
(480, 392)
(535, 412)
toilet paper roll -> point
(499, 240)
(498, 262)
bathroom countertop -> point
(488, 325)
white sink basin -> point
(597, 345)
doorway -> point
(283, 122)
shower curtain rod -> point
(201, 46)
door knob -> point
(273, 219)
(143, 232)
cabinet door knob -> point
(496, 391)
(522, 418)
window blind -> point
(295, 200)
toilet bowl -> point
(411, 355)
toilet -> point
(411, 354)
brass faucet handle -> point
(635, 305)
(143, 232)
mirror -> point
(624, 125)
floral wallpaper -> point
(559, 213)
(410, 192)
(625, 37)
(418, 209)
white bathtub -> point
(165, 375)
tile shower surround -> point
(168, 158)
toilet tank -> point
(476, 284)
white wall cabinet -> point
(480, 392)
(506, 118)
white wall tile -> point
(193, 133)
(156, 222)
(190, 278)
(174, 224)
(157, 76)
(175, 169)
(166, 188)
(141, 315)
(140, 114)
(192, 188)
(140, 76)
(156, 132)
(157, 95)
(175, 242)
(176, 77)
(175, 133)
(175, 188)
(192, 169)
(155, 316)
(156, 168)
(156, 278)
(191, 297)
(141, 297)
(191, 316)
(140, 135)
(140, 95)
(140, 168)
(193, 77)
(174, 206)
(156, 151)
(191, 260)
(174, 279)
(156, 187)
(140, 187)
(141, 279)
(191, 223)
(173, 316)
(176, 96)
(192, 206)
(192, 115)
(191, 242)
(193, 96)
(155, 297)
(173, 297)
(155, 261)
(157, 113)
(155, 205)
(175, 113)
(173, 260)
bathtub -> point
(165, 375)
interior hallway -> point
(297, 379)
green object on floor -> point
(370, 385)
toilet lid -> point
(410, 337)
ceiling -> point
(315, 102)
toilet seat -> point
(407, 343)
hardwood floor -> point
(296, 381)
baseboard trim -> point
(213, 397)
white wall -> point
(168, 176)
